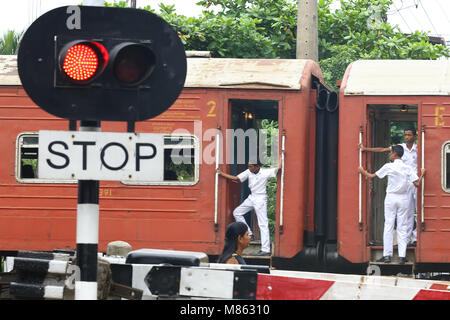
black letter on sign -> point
(62, 155)
(84, 144)
(138, 153)
(102, 156)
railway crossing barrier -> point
(37, 275)
(227, 284)
(184, 275)
(41, 275)
(225, 281)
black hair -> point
(413, 130)
(398, 149)
(234, 230)
(255, 162)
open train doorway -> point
(253, 136)
(386, 124)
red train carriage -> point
(186, 211)
(325, 221)
(374, 96)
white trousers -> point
(259, 204)
(412, 233)
(396, 206)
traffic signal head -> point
(133, 63)
(83, 61)
(116, 65)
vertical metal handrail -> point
(282, 183)
(422, 218)
(360, 181)
(216, 187)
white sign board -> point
(91, 155)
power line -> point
(426, 13)
(418, 20)
(401, 8)
(442, 10)
(402, 17)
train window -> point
(446, 167)
(27, 147)
(28, 156)
(181, 161)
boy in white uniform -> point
(257, 180)
(409, 158)
(397, 201)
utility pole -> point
(307, 25)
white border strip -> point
(87, 223)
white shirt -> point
(410, 156)
(400, 176)
(257, 182)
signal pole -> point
(307, 34)
(88, 215)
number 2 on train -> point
(212, 104)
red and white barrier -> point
(290, 285)
(228, 281)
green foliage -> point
(183, 171)
(117, 4)
(267, 29)
(9, 43)
(225, 35)
(359, 30)
(397, 131)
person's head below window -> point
(236, 240)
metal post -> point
(87, 221)
(87, 231)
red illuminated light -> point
(81, 62)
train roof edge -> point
(207, 72)
(397, 78)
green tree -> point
(267, 29)
(359, 29)
(398, 130)
(9, 43)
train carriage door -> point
(386, 128)
(433, 214)
(251, 121)
(379, 136)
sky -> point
(431, 16)
(18, 14)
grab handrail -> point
(360, 181)
(422, 218)
(216, 187)
(282, 183)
